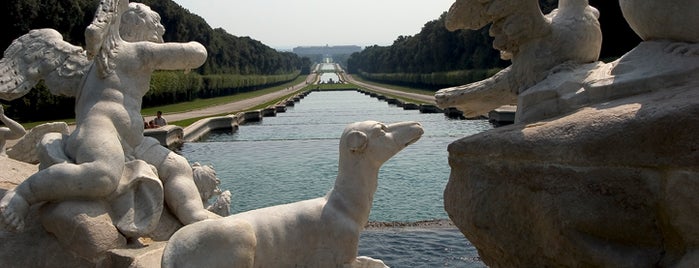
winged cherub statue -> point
(536, 44)
(108, 78)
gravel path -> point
(237, 105)
(421, 97)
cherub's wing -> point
(514, 21)
(42, 55)
(26, 149)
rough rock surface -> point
(37, 247)
(610, 185)
(16, 245)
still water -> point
(294, 155)
(329, 78)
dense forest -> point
(234, 64)
(435, 58)
(227, 53)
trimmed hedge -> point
(166, 87)
(431, 81)
(169, 87)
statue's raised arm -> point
(141, 25)
(536, 43)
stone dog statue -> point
(321, 232)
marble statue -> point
(222, 205)
(321, 232)
(108, 79)
(208, 185)
(600, 168)
(25, 148)
(12, 131)
(206, 181)
(655, 20)
(535, 43)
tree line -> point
(234, 64)
(436, 58)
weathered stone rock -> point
(13, 173)
(17, 249)
(35, 248)
(675, 20)
(610, 185)
(84, 228)
(147, 256)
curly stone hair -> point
(140, 23)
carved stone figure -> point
(108, 79)
(322, 232)
(25, 149)
(535, 43)
(655, 20)
(12, 131)
(206, 181)
(600, 168)
(208, 185)
(222, 205)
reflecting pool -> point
(294, 155)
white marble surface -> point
(535, 43)
(321, 232)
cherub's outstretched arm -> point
(173, 56)
(13, 131)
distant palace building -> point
(327, 50)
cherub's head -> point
(206, 181)
(140, 23)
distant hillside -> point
(234, 64)
(228, 54)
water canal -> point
(294, 155)
(328, 74)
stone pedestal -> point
(610, 185)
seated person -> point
(159, 120)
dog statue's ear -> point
(356, 140)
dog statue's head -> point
(376, 141)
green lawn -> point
(194, 105)
(203, 103)
(187, 122)
(394, 87)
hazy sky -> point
(291, 23)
